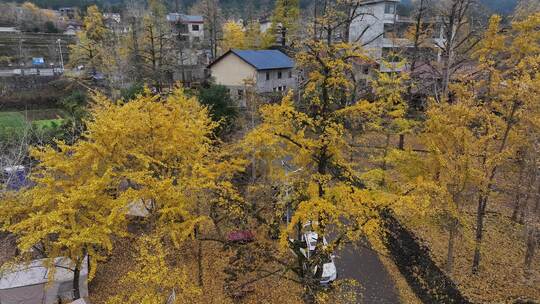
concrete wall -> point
(189, 74)
(372, 26)
(272, 85)
(195, 33)
(30, 91)
(232, 71)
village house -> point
(265, 24)
(382, 32)
(188, 28)
(269, 70)
(188, 31)
(68, 13)
(113, 22)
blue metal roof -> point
(265, 59)
(176, 17)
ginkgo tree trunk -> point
(493, 104)
(445, 176)
(506, 94)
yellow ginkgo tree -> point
(90, 49)
(233, 36)
(303, 144)
(445, 176)
(148, 154)
(285, 21)
(479, 130)
(506, 95)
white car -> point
(329, 273)
(311, 239)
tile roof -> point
(265, 59)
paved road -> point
(33, 71)
(6, 73)
(363, 265)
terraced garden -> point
(13, 123)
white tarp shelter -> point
(34, 283)
(139, 208)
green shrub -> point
(222, 109)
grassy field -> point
(13, 123)
(47, 124)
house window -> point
(365, 70)
(391, 54)
(284, 88)
(390, 8)
(267, 75)
(182, 28)
(195, 27)
(437, 31)
(279, 75)
(275, 89)
(362, 83)
(290, 74)
(389, 31)
(240, 93)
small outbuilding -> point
(38, 282)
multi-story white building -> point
(368, 29)
(381, 31)
(189, 28)
(113, 22)
(188, 31)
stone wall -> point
(28, 45)
(24, 92)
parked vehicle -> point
(310, 239)
(329, 273)
(241, 236)
(14, 177)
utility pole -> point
(21, 59)
(288, 170)
(61, 57)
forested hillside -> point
(237, 7)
